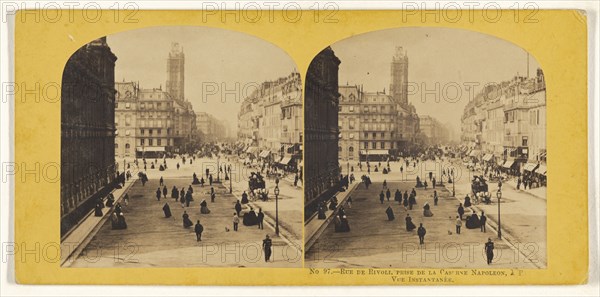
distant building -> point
(433, 132)
(506, 125)
(209, 128)
(126, 114)
(270, 121)
(176, 72)
(87, 130)
(321, 128)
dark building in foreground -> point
(321, 168)
(87, 130)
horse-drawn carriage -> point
(479, 187)
(256, 181)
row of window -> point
(373, 146)
(373, 109)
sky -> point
(215, 60)
(449, 57)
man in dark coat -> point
(489, 251)
(238, 208)
(165, 191)
(267, 243)
(167, 210)
(421, 232)
(461, 211)
(381, 197)
(261, 217)
(482, 221)
(390, 213)
(198, 229)
(158, 194)
(388, 194)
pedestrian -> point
(161, 181)
(482, 221)
(186, 220)
(388, 194)
(390, 213)
(421, 232)
(158, 193)
(213, 195)
(236, 221)
(384, 183)
(381, 197)
(177, 165)
(238, 207)
(165, 191)
(409, 224)
(489, 251)
(267, 243)
(261, 217)
(349, 202)
(198, 229)
(167, 210)
(435, 198)
(458, 224)
(175, 193)
(461, 211)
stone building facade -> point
(321, 167)
(87, 130)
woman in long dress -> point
(409, 224)
(427, 210)
(204, 207)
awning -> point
(285, 160)
(374, 152)
(530, 167)
(264, 153)
(509, 163)
(475, 153)
(500, 162)
(151, 149)
(251, 149)
(488, 157)
(541, 169)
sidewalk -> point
(79, 237)
(314, 227)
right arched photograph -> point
(425, 148)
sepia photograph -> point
(181, 147)
(425, 148)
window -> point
(374, 135)
(351, 136)
(158, 141)
(127, 105)
(351, 108)
(382, 145)
(366, 135)
(150, 131)
(127, 132)
(351, 149)
(382, 134)
(373, 145)
(159, 131)
(128, 121)
(116, 104)
(142, 142)
(127, 147)
(366, 145)
(524, 141)
(141, 131)
(150, 142)
(142, 105)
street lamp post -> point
(230, 182)
(453, 183)
(277, 206)
(218, 169)
(499, 195)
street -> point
(153, 240)
(376, 242)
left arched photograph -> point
(181, 147)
